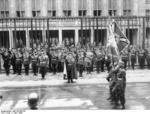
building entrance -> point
(132, 35)
(68, 37)
(100, 36)
(4, 39)
(19, 40)
(35, 37)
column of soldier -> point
(76, 58)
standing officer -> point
(108, 62)
(80, 62)
(54, 62)
(69, 65)
(35, 60)
(43, 64)
(98, 60)
(26, 62)
(133, 57)
(19, 60)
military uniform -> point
(108, 62)
(70, 60)
(7, 62)
(54, 62)
(133, 58)
(13, 62)
(19, 61)
(80, 63)
(141, 58)
(35, 61)
(148, 59)
(43, 65)
(125, 58)
(26, 62)
(98, 60)
(102, 61)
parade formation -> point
(72, 60)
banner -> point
(122, 41)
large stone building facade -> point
(24, 22)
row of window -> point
(67, 13)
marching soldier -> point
(26, 62)
(35, 61)
(43, 64)
(19, 60)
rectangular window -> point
(147, 1)
(97, 12)
(67, 7)
(112, 12)
(4, 8)
(51, 6)
(147, 12)
(36, 8)
(36, 13)
(51, 13)
(127, 7)
(82, 9)
(20, 8)
(67, 13)
(127, 12)
(82, 12)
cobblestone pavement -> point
(72, 97)
(93, 78)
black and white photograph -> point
(74, 55)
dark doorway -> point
(68, 37)
(19, 39)
(100, 36)
(84, 36)
(52, 37)
(132, 35)
(4, 39)
(35, 37)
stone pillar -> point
(92, 36)
(12, 8)
(76, 36)
(44, 8)
(135, 8)
(60, 36)
(104, 7)
(59, 8)
(28, 8)
(10, 39)
(27, 39)
(120, 7)
(74, 8)
(90, 8)
(44, 35)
